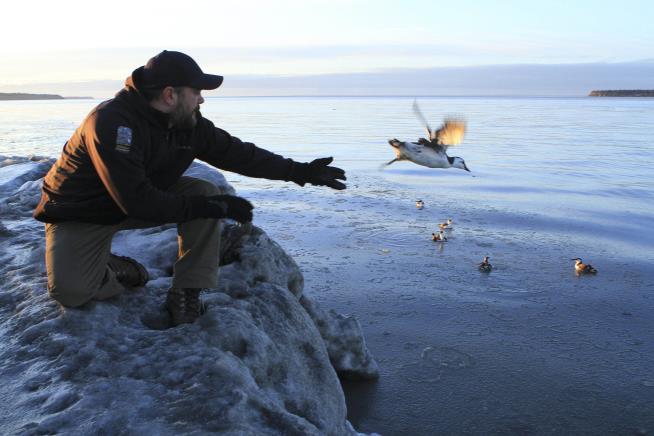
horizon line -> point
(415, 96)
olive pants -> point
(77, 253)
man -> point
(122, 169)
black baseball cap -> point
(173, 68)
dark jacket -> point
(123, 157)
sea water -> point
(527, 349)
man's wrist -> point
(300, 173)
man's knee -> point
(70, 294)
(202, 187)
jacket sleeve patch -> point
(123, 139)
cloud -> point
(529, 79)
(510, 80)
(81, 65)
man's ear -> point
(169, 96)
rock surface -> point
(258, 361)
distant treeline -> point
(623, 93)
(24, 96)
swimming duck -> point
(420, 204)
(438, 237)
(583, 268)
(432, 152)
(446, 225)
(485, 266)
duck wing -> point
(421, 117)
(433, 145)
(450, 133)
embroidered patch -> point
(123, 139)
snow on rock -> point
(345, 343)
(254, 257)
(257, 362)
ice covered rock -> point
(249, 253)
(253, 257)
(345, 343)
(18, 170)
(258, 361)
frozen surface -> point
(255, 363)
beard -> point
(184, 118)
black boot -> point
(184, 305)
(128, 271)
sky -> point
(45, 43)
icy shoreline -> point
(263, 359)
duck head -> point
(457, 162)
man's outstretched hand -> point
(320, 173)
(230, 206)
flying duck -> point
(432, 152)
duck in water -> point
(420, 204)
(446, 225)
(485, 266)
(432, 152)
(438, 237)
(583, 268)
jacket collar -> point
(132, 96)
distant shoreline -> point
(595, 93)
(25, 96)
(622, 93)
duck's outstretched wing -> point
(421, 117)
(451, 133)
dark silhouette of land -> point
(623, 93)
(25, 96)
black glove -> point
(229, 206)
(318, 172)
